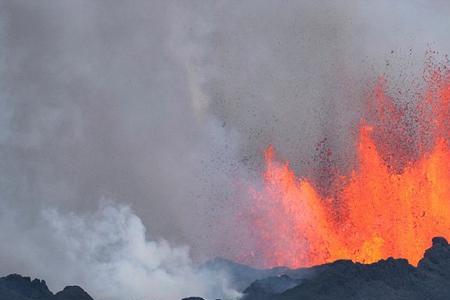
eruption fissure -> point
(392, 204)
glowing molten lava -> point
(378, 210)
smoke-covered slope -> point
(242, 276)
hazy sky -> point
(165, 107)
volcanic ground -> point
(343, 279)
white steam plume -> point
(107, 253)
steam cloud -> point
(108, 254)
(165, 107)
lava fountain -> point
(380, 209)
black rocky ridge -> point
(17, 287)
(343, 279)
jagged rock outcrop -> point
(436, 260)
(386, 279)
(17, 287)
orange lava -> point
(378, 211)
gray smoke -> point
(165, 107)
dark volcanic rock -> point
(386, 279)
(266, 288)
(347, 280)
(72, 293)
(17, 287)
(436, 261)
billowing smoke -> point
(107, 252)
(165, 107)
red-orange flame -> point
(379, 210)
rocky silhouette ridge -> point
(17, 287)
(342, 279)
(385, 279)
